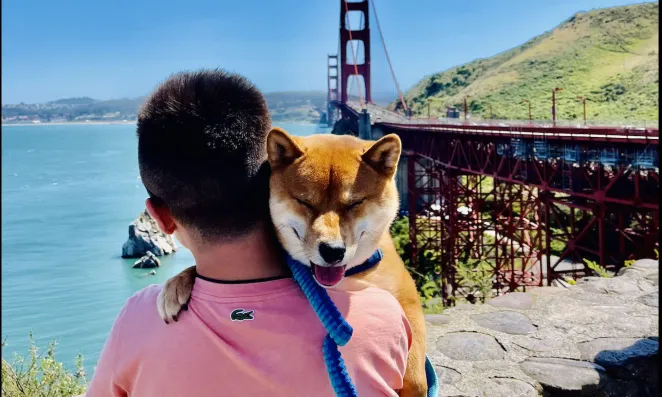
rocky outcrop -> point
(145, 236)
(596, 338)
(147, 262)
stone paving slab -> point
(597, 338)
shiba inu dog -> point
(332, 200)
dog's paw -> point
(175, 295)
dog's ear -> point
(281, 148)
(384, 154)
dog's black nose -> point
(331, 255)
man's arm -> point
(105, 382)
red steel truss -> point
(494, 204)
(468, 224)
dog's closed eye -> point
(355, 204)
(305, 204)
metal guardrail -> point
(537, 130)
(541, 123)
(390, 116)
(598, 134)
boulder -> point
(608, 285)
(145, 236)
(147, 262)
(648, 264)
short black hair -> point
(202, 151)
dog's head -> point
(332, 198)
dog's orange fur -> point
(315, 186)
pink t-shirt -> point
(276, 353)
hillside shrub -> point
(41, 375)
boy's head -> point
(202, 151)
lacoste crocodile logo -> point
(241, 315)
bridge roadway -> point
(394, 122)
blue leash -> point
(339, 331)
(431, 376)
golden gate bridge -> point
(504, 195)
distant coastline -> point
(70, 123)
(285, 107)
(295, 122)
(275, 122)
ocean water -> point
(69, 193)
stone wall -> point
(597, 338)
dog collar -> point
(367, 265)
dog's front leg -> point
(175, 294)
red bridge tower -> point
(349, 66)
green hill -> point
(608, 55)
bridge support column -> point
(348, 67)
(364, 125)
(332, 88)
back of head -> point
(202, 152)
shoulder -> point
(140, 308)
(138, 322)
(143, 298)
(377, 298)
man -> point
(248, 330)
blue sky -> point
(111, 49)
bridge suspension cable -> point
(351, 43)
(388, 59)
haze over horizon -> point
(122, 49)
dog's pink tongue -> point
(328, 276)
